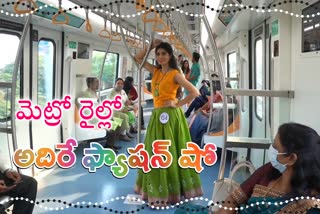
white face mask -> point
(273, 155)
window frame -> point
(14, 33)
(259, 38)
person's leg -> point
(190, 109)
(111, 140)
(125, 127)
(26, 189)
(142, 119)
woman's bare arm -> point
(193, 92)
(139, 57)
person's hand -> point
(156, 42)
(13, 175)
(170, 103)
(4, 188)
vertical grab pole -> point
(14, 80)
(105, 54)
(102, 66)
(211, 88)
(139, 68)
(223, 87)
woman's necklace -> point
(156, 91)
(272, 186)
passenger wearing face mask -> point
(293, 171)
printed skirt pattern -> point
(167, 186)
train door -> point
(260, 81)
(10, 35)
(46, 82)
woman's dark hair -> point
(167, 47)
(90, 80)
(305, 143)
(182, 67)
(119, 78)
(128, 84)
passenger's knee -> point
(30, 181)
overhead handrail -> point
(145, 19)
(60, 13)
(115, 36)
(19, 2)
(139, 4)
(164, 28)
(131, 41)
(104, 33)
(88, 25)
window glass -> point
(311, 28)
(46, 67)
(259, 76)
(232, 69)
(9, 44)
(110, 68)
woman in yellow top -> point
(164, 186)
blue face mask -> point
(273, 155)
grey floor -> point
(101, 192)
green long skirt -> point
(166, 186)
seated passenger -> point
(199, 101)
(127, 116)
(91, 92)
(133, 98)
(293, 171)
(199, 123)
(19, 186)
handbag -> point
(224, 187)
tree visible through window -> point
(9, 45)
(110, 68)
(46, 66)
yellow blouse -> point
(164, 87)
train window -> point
(110, 68)
(46, 71)
(311, 29)
(258, 69)
(232, 68)
(9, 45)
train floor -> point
(101, 192)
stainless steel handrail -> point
(223, 87)
(139, 68)
(14, 80)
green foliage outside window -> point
(109, 73)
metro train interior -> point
(263, 54)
